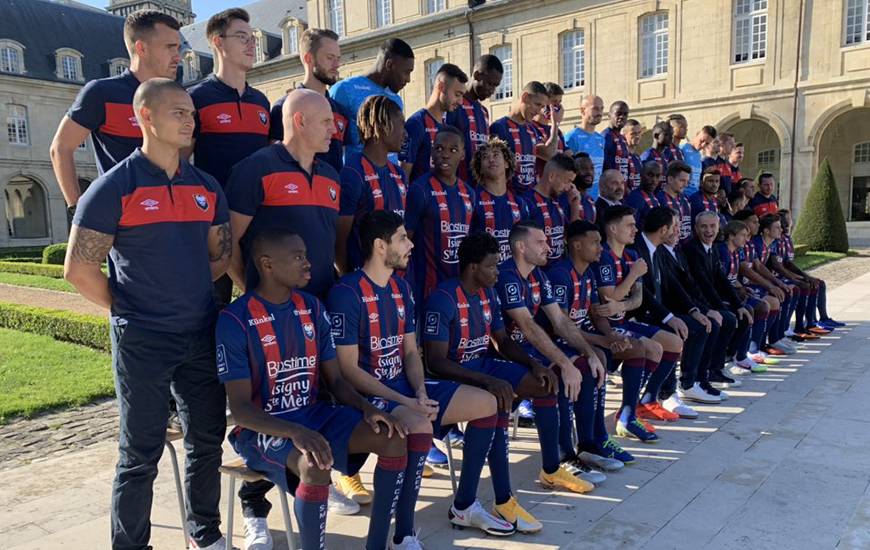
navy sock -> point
(566, 427)
(389, 475)
(785, 318)
(547, 424)
(310, 507)
(478, 439)
(812, 304)
(822, 302)
(418, 448)
(772, 326)
(759, 326)
(649, 367)
(599, 430)
(801, 311)
(657, 378)
(632, 373)
(584, 409)
(499, 470)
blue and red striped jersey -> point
(465, 321)
(680, 205)
(420, 131)
(663, 158)
(159, 273)
(521, 139)
(277, 192)
(764, 251)
(642, 202)
(730, 262)
(786, 248)
(439, 216)
(497, 214)
(675, 152)
(588, 211)
(617, 155)
(515, 291)
(762, 205)
(278, 347)
(335, 155)
(632, 182)
(376, 319)
(699, 202)
(472, 119)
(543, 134)
(550, 214)
(574, 292)
(229, 127)
(105, 107)
(611, 270)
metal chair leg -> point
(288, 523)
(515, 419)
(446, 442)
(231, 497)
(179, 492)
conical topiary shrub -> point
(821, 225)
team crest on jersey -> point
(536, 296)
(332, 194)
(487, 316)
(263, 119)
(201, 202)
(308, 330)
(400, 311)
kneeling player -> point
(373, 321)
(273, 346)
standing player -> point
(643, 198)
(274, 350)
(725, 142)
(585, 138)
(544, 120)
(660, 152)
(544, 202)
(583, 182)
(525, 294)
(632, 131)
(421, 127)
(390, 74)
(692, 151)
(373, 321)
(164, 225)
(497, 208)
(706, 200)
(516, 130)
(673, 197)
(764, 201)
(320, 55)
(369, 180)
(472, 118)
(734, 160)
(617, 153)
(104, 107)
(680, 127)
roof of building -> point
(45, 26)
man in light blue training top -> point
(692, 153)
(585, 139)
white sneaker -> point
(785, 347)
(257, 535)
(723, 396)
(600, 462)
(675, 404)
(340, 504)
(744, 366)
(475, 516)
(697, 394)
(411, 542)
(220, 544)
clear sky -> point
(202, 8)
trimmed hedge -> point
(54, 254)
(29, 268)
(821, 225)
(35, 253)
(86, 330)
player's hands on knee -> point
(503, 392)
(423, 405)
(313, 447)
(376, 417)
(715, 315)
(572, 379)
(597, 370)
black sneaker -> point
(722, 380)
(710, 389)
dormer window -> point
(117, 66)
(11, 57)
(292, 29)
(190, 67)
(69, 64)
(259, 46)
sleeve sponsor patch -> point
(512, 293)
(337, 325)
(433, 318)
(222, 366)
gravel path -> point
(52, 299)
(842, 271)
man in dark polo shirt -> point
(104, 107)
(321, 56)
(164, 225)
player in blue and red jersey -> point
(705, 200)
(497, 208)
(462, 318)
(583, 182)
(274, 352)
(422, 127)
(165, 227)
(545, 206)
(517, 131)
(369, 180)
(285, 186)
(584, 137)
(373, 322)
(632, 132)
(643, 198)
(680, 127)
(660, 152)
(764, 201)
(525, 295)
(320, 55)
(472, 117)
(617, 153)
(672, 196)
(725, 142)
(542, 122)
(103, 108)
(440, 207)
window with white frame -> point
(432, 67)
(437, 5)
(70, 66)
(504, 53)
(383, 13)
(16, 125)
(856, 22)
(862, 152)
(654, 45)
(11, 57)
(118, 66)
(750, 30)
(767, 158)
(335, 16)
(573, 47)
(291, 39)
(190, 67)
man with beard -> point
(632, 131)
(472, 118)
(764, 201)
(544, 202)
(585, 138)
(643, 198)
(680, 126)
(705, 200)
(421, 127)
(583, 182)
(612, 193)
(660, 152)
(692, 151)
(321, 56)
(617, 154)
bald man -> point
(585, 139)
(164, 225)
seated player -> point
(273, 350)
(497, 208)
(374, 326)
(461, 320)
(526, 296)
(643, 198)
(673, 197)
(369, 180)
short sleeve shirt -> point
(699, 202)
(550, 214)
(472, 119)
(692, 157)
(350, 94)
(420, 131)
(465, 321)
(642, 202)
(515, 291)
(521, 138)
(611, 270)
(617, 155)
(730, 262)
(680, 205)
(574, 292)
(334, 157)
(497, 214)
(591, 143)
(159, 271)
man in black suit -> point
(611, 191)
(706, 270)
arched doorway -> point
(761, 147)
(26, 209)
(844, 143)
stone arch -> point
(762, 147)
(26, 208)
(836, 141)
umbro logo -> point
(150, 204)
(292, 188)
(224, 118)
(268, 340)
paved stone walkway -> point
(52, 299)
(783, 464)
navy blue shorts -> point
(756, 290)
(499, 368)
(268, 454)
(440, 390)
(752, 301)
(636, 329)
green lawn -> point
(39, 373)
(36, 281)
(813, 259)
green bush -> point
(821, 225)
(87, 330)
(34, 253)
(54, 254)
(28, 268)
